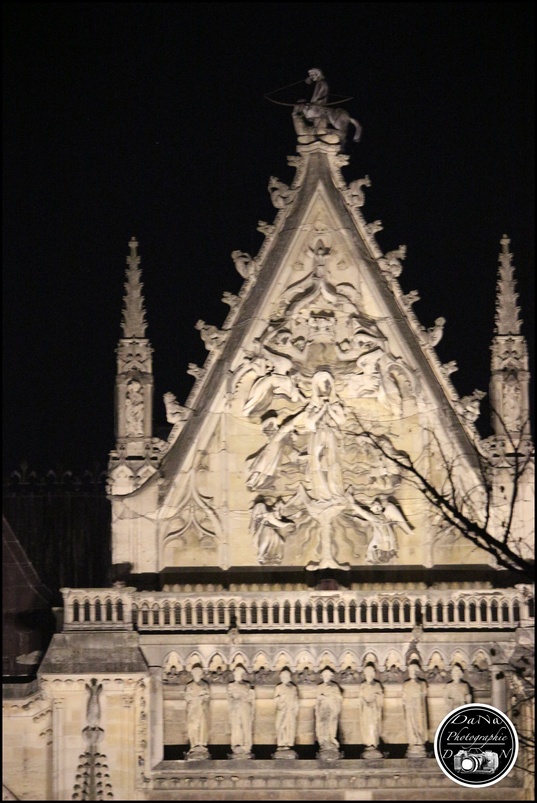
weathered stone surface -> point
(79, 653)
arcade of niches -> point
(293, 617)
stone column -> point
(499, 686)
(156, 708)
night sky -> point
(149, 119)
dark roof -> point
(27, 622)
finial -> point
(507, 320)
(134, 324)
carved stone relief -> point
(319, 357)
(511, 403)
(92, 780)
(195, 520)
(134, 408)
(270, 529)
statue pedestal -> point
(371, 752)
(285, 753)
(416, 751)
(240, 753)
(329, 754)
(198, 753)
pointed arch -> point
(370, 657)
(193, 658)
(327, 658)
(217, 662)
(394, 659)
(282, 659)
(260, 661)
(239, 658)
(348, 661)
(304, 660)
(480, 658)
(172, 661)
(459, 657)
(436, 660)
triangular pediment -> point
(319, 361)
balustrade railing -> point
(126, 608)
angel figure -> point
(384, 516)
(278, 380)
(270, 529)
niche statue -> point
(415, 708)
(286, 697)
(241, 697)
(327, 710)
(197, 696)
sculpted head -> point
(413, 670)
(197, 672)
(369, 673)
(456, 672)
(315, 74)
(285, 675)
(327, 674)
(239, 672)
(323, 384)
(134, 386)
(377, 506)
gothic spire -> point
(509, 382)
(134, 388)
(507, 320)
(134, 323)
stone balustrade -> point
(125, 608)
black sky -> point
(149, 119)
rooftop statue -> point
(319, 117)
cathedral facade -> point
(308, 571)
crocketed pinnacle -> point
(134, 323)
(507, 320)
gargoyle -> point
(280, 194)
(245, 265)
(356, 193)
(434, 333)
(174, 411)
(211, 335)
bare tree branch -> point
(453, 508)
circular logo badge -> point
(476, 745)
